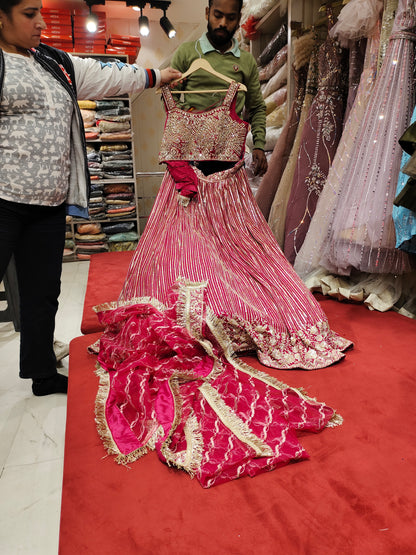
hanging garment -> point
(208, 280)
(218, 236)
(404, 218)
(268, 186)
(308, 258)
(389, 12)
(362, 232)
(319, 143)
(277, 216)
(353, 252)
(356, 62)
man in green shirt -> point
(219, 47)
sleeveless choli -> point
(206, 282)
(216, 134)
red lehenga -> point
(169, 381)
(221, 238)
(207, 281)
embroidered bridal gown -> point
(221, 238)
(209, 280)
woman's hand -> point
(169, 74)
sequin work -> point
(319, 142)
(362, 235)
(217, 134)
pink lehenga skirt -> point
(169, 382)
(221, 240)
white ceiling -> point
(180, 11)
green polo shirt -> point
(237, 64)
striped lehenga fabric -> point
(222, 241)
(207, 281)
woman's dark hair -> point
(240, 7)
(7, 5)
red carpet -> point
(105, 280)
(356, 494)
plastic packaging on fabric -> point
(259, 8)
(278, 117)
(279, 59)
(356, 20)
(302, 49)
(272, 134)
(126, 236)
(275, 99)
(121, 227)
(276, 43)
(278, 80)
(122, 246)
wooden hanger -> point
(201, 63)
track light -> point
(143, 20)
(143, 24)
(92, 22)
(167, 26)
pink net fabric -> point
(308, 258)
(362, 235)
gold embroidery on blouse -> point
(210, 135)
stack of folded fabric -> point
(117, 161)
(121, 236)
(113, 119)
(117, 165)
(108, 125)
(119, 199)
(95, 166)
(96, 203)
(88, 112)
(90, 239)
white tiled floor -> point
(32, 435)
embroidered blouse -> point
(216, 134)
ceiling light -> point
(167, 26)
(143, 24)
(92, 22)
(144, 21)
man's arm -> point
(256, 109)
